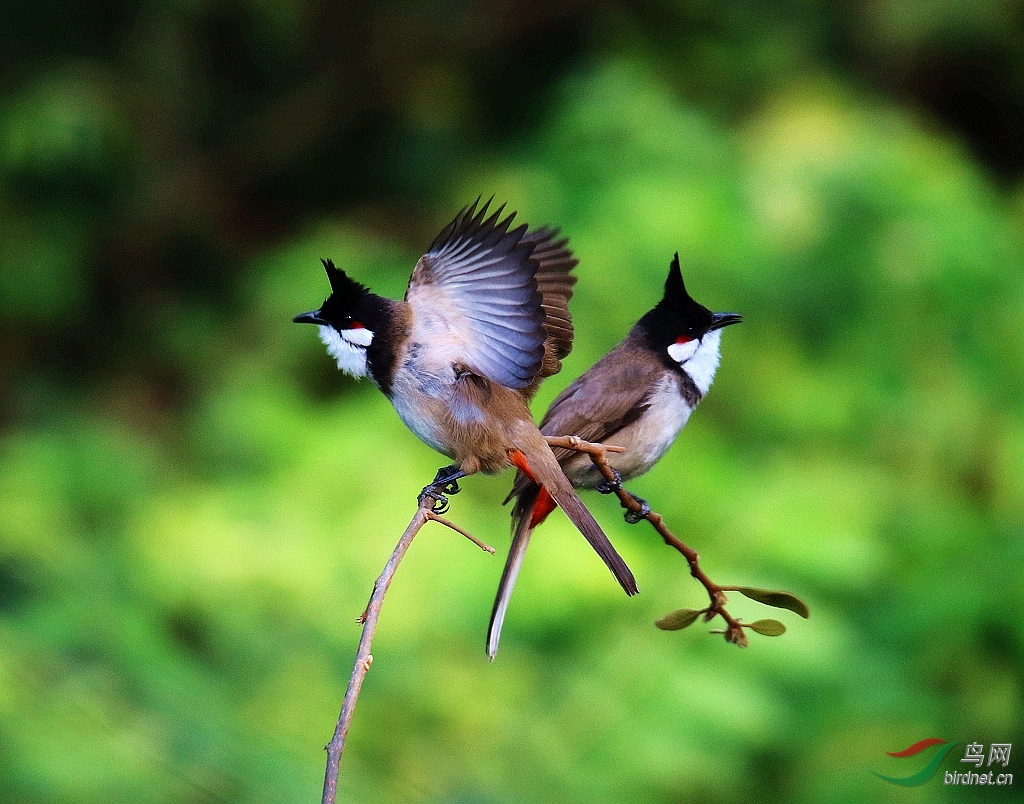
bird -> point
(485, 318)
(637, 396)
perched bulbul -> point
(638, 396)
(484, 320)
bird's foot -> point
(445, 483)
(632, 517)
(610, 486)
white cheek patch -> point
(359, 336)
(681, 352)
(348, 348)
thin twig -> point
(363, 655)
(448, 524)
(598, 454)
(369, 619)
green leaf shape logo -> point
(927, 772)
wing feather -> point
(615, 389)
(495, 290)
(555, 281)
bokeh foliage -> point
(194, 503)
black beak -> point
(312, 317)
(719, 320)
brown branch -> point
(637, 510)
(369, 619)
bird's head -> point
(686, 331)
(347, 319)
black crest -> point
(349, 302)
(678, 315)
(679, 302)
(347, 290)
(348, 298)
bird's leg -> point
(610, 486)
(614, 486)
(446, 479)
(632, 517)
(445, 482)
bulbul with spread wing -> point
(485, 318)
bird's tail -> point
(523, 523)
(534, 458)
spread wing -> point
(476, 291)
(555, 281)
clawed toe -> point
(446, 481)
(610, 486)
(440, 504)
(632, 517)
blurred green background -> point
(194, 503)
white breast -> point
(646, 439)
(426, 428)
(420, 392)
